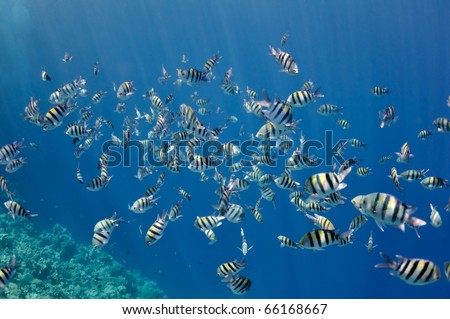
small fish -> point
(442, 124)
(405, 154)
(284, 38)
(343, 123)
(96, 68)
(244, 249)
(329, 109)
(163, 79)
(363, 171)
(321, 222)
(108, 224)
(67, 57)
(302, 98)
(45, 76)
(239, 285)
(434, 182)
(414, 271)
(357, 223)
(378, 91)
(447, 207)
(156, 230)
(9, 151)
(436, 220)
(7, 272)
(424, 134)
(394, 177)
(411, 175)
(370, 246)
(323, 184)
(15, 209)
(185, 194)
(142, 204)
(78, 174)
(97, 97)
(15, 164)
(286, 61)
(232, 267)
(125, 90)
(387, 116)
(384, 159)
(4, 187)
(208, 222)
(184, 58)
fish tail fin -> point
(391, 264)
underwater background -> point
(345, 47)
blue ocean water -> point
(345, 47)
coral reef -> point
(50, 264)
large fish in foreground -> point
(386, 209)
(414, 271)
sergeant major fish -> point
(414, 271)
(7, 272)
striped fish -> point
(211, 63)
(4, 186)
(379, 91)
(287, 242)
(279, 113)
(357, 223)
(321, 222)
(108, 224)
(268, 194)
(239, 285)
(235, 213)
(256, 211)
(185, 194)
(370, 246)
(329, 109)
(100, 238)
(45, 76)
(208, 222)
(323, 184)
(424, 134)
(386, 209)
(77, 131)
(447, 269)
(97, 97)
(303, 98)
(192, 76)
(15, 209)
(175, 212)
(156, 230)
(15, 164)
(209, 233)
(97, 183)
(343, 123)
(394, 177)
(405, 154)
(68, 90)
(436, 220)
(253, 107)
(286, 182)
(10, 151)
(201, 164)
(442, 124)
(232, 267)
(354, 142)
(56, 98)
(7, 272)
(414, 271)
(434, 182)
(125, 90)
(54, 117)
(387, 116)
(411, 175)
(142, 204)
(363, 171)
(334, 199)
(318, 239)
(286, 61)
(252, 94)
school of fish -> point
(174, 136)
